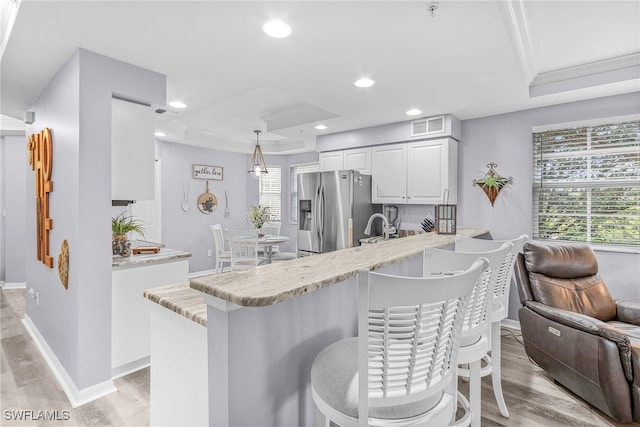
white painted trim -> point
(201, 273)
(590, 68)
(517, 26)
(219, 303)
(588, 122)
(510, 324)
(14, 285)
(131, 367)
(76, 397)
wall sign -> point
(40, 159)
(207, 172)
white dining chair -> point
(222, 256)
(500, 306)
(474, 345)
(244, 249)
(401, 368)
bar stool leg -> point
(496, 378)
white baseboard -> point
(13, 285)
(76, 397)
(131, 367)
(201, 273)
(511, 324)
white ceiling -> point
(472, 59)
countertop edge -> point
(181, 299)
(164, 255)
(220, 285)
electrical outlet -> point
(209, 252)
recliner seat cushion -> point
(566, 276)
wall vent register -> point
(428, 126)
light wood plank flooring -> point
(26, 383)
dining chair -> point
(401, 368)
(222, 256)
(244, 249)
(474, 345)
(500, 306)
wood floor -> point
(26, 383)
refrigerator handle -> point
(321, 216)
(317, 214)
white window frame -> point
(269, 192)
(293, 196)
(585, 185)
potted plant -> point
(121, 225)
(492, 183)
(259, 216)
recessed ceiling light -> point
(160, 134)
(321, 127)
(277, 29)
(413, 112)
(364, 82)
(178, 104)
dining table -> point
(267, 242)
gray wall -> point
(14, 168)
(76, 105)
(506, 140)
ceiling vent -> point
(428, 126)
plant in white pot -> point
(121, 226)
(259, 216)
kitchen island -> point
(266, 325)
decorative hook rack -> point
(492, 183)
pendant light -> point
(258, 166)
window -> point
(270, 192)
(586, 183)
(295, 171)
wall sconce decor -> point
(492, 183)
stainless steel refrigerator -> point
(328, 203)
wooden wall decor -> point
(63, 264)
(41, 159)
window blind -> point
(271, 192)
(295, 171)
(586, 183)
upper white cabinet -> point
(415, 172)
(132, 151)
(389, 177)
(357, 159)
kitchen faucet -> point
(385, 225)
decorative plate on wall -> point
(63, 264)
(207, 202)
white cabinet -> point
(415, 172)
(357, 159)
(331, 161)
(132, 151)
(389, 177)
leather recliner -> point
(574, 330)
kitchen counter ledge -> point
(164, 255)
(181, 299)
(270, 284)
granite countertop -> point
(163, 255)
(273, 283)
(181, 299)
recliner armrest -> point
(590, 325)
(628, 312)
